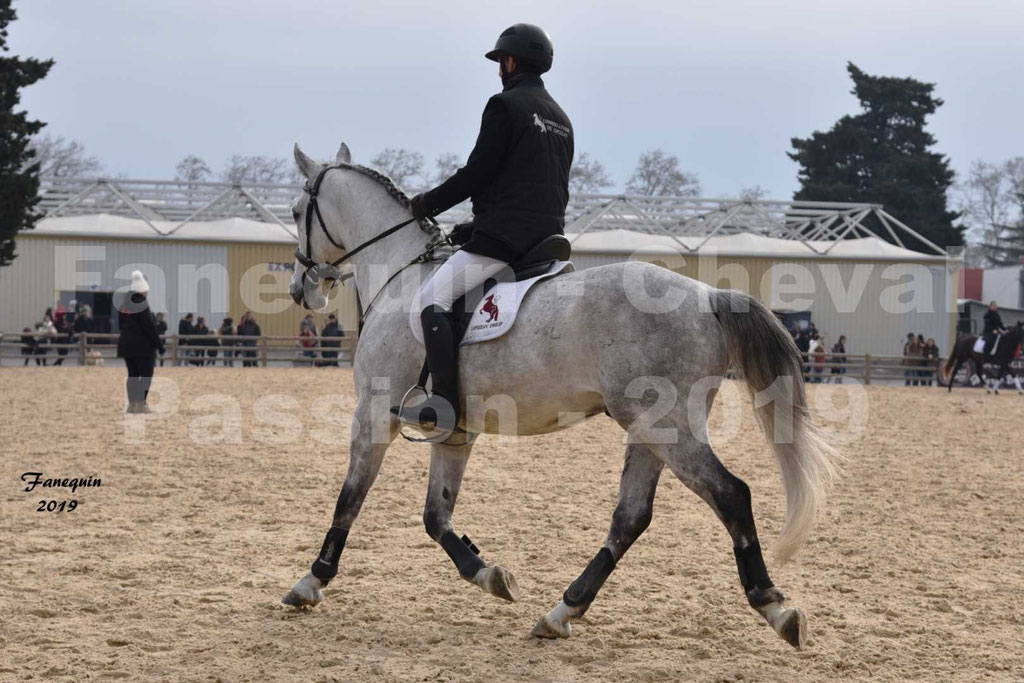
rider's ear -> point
(307, 167)
(344, 156)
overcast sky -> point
(722, 85)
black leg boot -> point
(441, 410)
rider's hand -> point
(419, 209)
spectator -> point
(227, 329)
(911, 359)
(839, 360)
(332, 329)
(201, 330)
(61, 323)
(138, 342)
(45, 334)
(161, 329)
(84, 323)
(249, 328)
(803, 343)
(307, 335)
(930, 353)
(185, 328)
(816, 349)
(29, 345)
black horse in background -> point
(1005, 352)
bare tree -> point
(445, 166)
(193, 169)
(752, 194)
(658, 173)
(258, 169)
(588, 175)
(401, 165)
(992, 200)
(62, 158)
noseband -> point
(317, 271)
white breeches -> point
(456, 276)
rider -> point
(993, 326)
(518, 178)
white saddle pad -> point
(496, 311)
(979, 345)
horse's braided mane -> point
(393, 191)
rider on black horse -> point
(518, 178)
(993, 327)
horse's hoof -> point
(546, 628)
(305, 593)
(500, 583)
(792, 628)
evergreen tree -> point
(883, 155)
(19, 172)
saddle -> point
(501, 298)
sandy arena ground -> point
(174, 568)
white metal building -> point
(224, 248)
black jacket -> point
(139, 337)
(517, 174)
(332, 329)
(185, 327)
(993, 322)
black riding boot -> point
(441, 410)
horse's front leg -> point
(447, 466)
(370, 442)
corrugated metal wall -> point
(184, 277)
(27, 285)
(260, 274)
(868, 301)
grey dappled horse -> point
(624, 339)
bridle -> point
(322, 271)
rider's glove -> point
(419, 208)
(461, 233)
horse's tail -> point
(762, 348)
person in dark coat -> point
(331, 330)
(30, 345)
(518, 178)
(138, 342)
(207, 340)
(185, 328)
(227, 329)
(993, 326)
(248, 328)
(161, 328)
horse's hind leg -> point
(365, 459)
(631, 518)
(697, 466)
(447, 465)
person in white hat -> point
(138, 342)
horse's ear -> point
(344, 156)
(307, 167)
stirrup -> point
(435, 435)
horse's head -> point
(309, 287)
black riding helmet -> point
(527, 43)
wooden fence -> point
(263, 350)
(185, 349)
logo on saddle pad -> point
(488, 321)
(490, 308)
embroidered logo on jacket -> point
(549, 126)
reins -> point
(329, 271)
